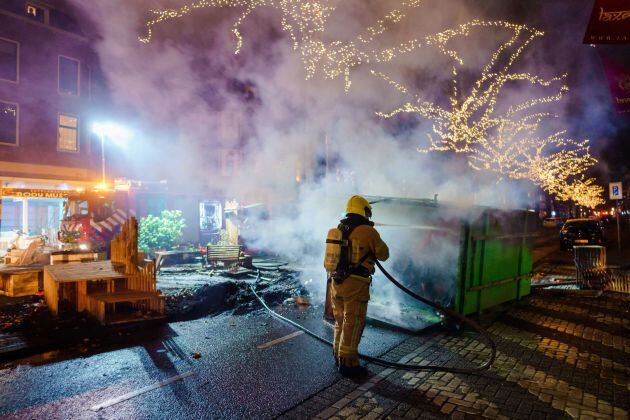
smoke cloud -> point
(305, 145)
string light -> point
(583, 192)
(10, 110)
(305, 22)
(504, 142)
(553, 162)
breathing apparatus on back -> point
(343, 256)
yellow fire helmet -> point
(359, 205)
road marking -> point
(140, 391)
(279, 340)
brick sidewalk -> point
(558, 357)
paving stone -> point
(559, 357)
(460, 403)
(448, 408)
(327, 413)
(371, 416)
(341, 403)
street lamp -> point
(113, 132)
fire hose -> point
(403, 366)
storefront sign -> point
(34, 193)
(610, 23)
(619, 83)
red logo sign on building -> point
(610, 23)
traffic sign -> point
(615, 190)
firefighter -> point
(359, 244)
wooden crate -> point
(64, 258)
(101, 286)
(70, 282)
(13, 256)
(19, 282)
(103, 306)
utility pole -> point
(618, 226)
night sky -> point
(193, 66)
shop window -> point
(8, 123)
(69, 76)
(44, 216)
(210, 216)
(9, 62)
(68, 135)
(11, 215)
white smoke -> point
(306, 145)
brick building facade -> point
(46, 71)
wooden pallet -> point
(140, 274)
(72, 282)
(19, 281)
(13, 257)
(99, 287)
(103, 306)
(75, 257)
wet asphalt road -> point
(232, 378)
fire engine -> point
(92, 218)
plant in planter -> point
(161, 233)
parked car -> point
(552, 222)
(581, 232)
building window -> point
(230, 162)
(69, 76)
(68, 133)
(37, 13)
(9, 51)
(8, 123)
(230, 125)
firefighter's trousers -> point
(349, 302)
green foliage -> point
(161, 233)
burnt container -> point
(470, 259)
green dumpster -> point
(467, 258)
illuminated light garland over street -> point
(554, 163)
(304, 22)
(505, 142)
(469, 121)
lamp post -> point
(112, 132)
(102, 136)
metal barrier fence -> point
(590, 265)
(619, 281)
(592, 272)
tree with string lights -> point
(501, 140)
